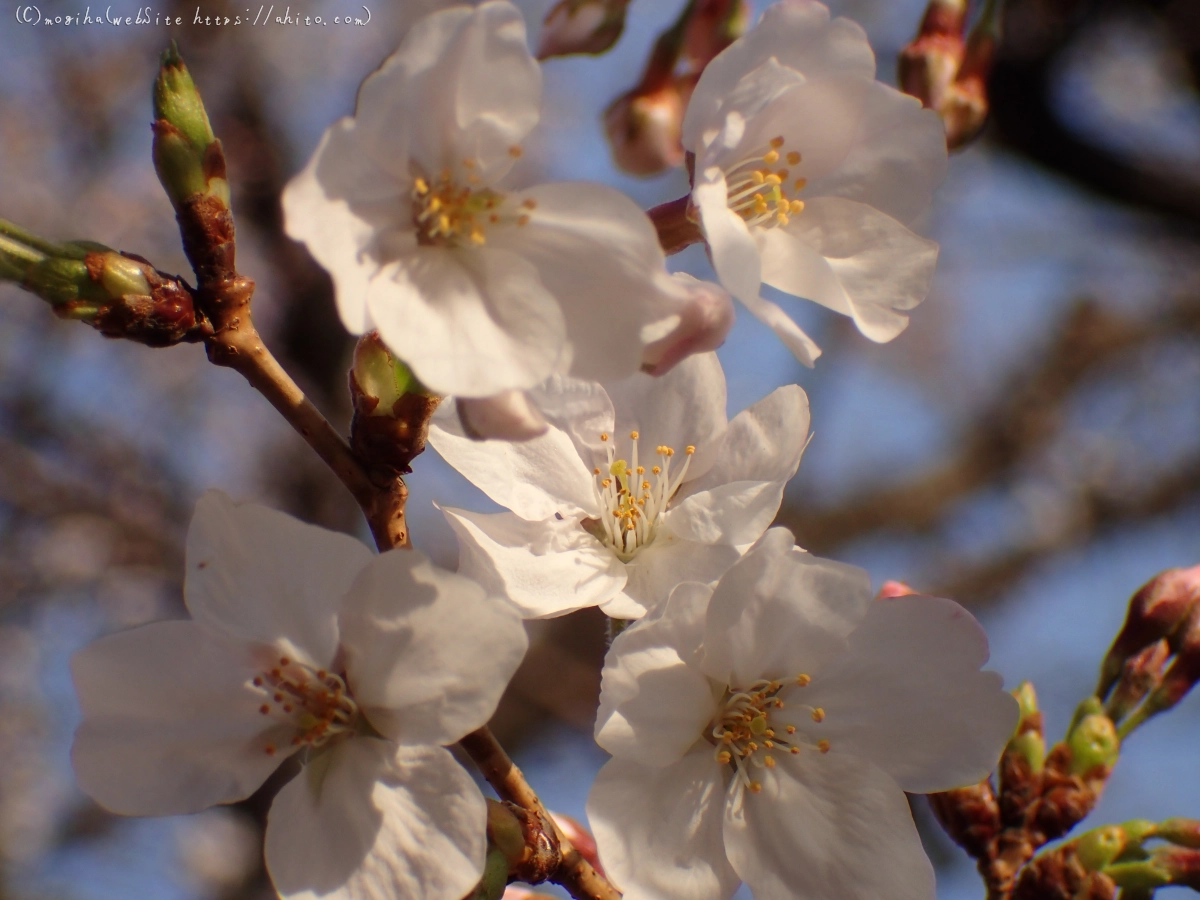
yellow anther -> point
(633, 435)
(477, 236)
(607, 482)
(801, 183)
(795, 751)
(421, 185)
(769, 762)
(818, 715)
(596, 471)
(803, 680)
(793, 158)
(757, 176)
(777, 142)
(645, 484)
(689, 449)
(770, 732)
(751, 747)
(797, 207)
(603, 436)
(770, 745)
(755, 787)
(781, 218)
(657, 470)
(770, 158)
(444, 223)
(724, 757)
(823, 746)
(727, 737)
(629, 526)
(515, 151)
(791, 729)
(760, 203)
(774, 179)
(529, 204)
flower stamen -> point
(316, 703)
(761, 196)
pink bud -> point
(582, 26)
(644, 126)
(705, 316)
(581, 839)
(893, 589)
(510, 416)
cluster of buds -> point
(1155, 658)
(118, 294)
(391, 408)
(1096, 864)
(1040, 795)
(947, 72)
(644, 125)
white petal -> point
(670, 560)
(467, 76)
(260, 575)
(802, 346)
(370, 821)
(654, 703)
(736, 500)
(799, 35)
(825, 826)
(510, 416)
(170, 723)
(908, 695)
(582, 409)
(428, 652)
(472, 322)
(705, 317)
(733, 249)
(897, 160)
(881, 265)
(598, 254)
(349, 210)
(685, 407)
(535, 478)
(659, 829)
(780, 612)
(546, 568)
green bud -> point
(1097, 849)
(495, 877)
(1028, 742)
(1141, 830)
(505, 832)
(180, 167)
(380, 378)
(1093, 743)
(1184, 832)
(177, 100)
(1026, 698)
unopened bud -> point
(964, 107)
(505, 832)
(1092, 740)
(1096, 849)
(1156, 611)
(510, 416)
(581, 839)
(1179, 678)
(703, 320)
(187, 156)
(644, 127)
(582, 26)
(1028, 742)
(929, 64)
(713, 26)
(1184, 832)
(1141, 674)
(495, 877)
(391, 408)
(893, 589)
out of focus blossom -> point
(644, 126)
(765, 732)
(304, 642)
(807, 171)
(634, 488)
(480, 288)
(582, 26)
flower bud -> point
(1092, 740)
(391, 407)
(644, 126)
(505, 832)
(510, 416)
(705, 316)
(928, 66)
(581, 839)
(1141, 674)
(495, 877)
(1179, 678)
(893, 589)
(713, 26)
(187, 156)
(1184, 832)
(1097, 848)
(1028, 742)
(582, 26)
(1157, 610)
(964, 107)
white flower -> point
(479, 287)
(766, 731)
(632, 490)
(303, 641)
(807, 171)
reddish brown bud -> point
(1141, 674)
(928, 66)
(713, 26)
(1156, 611)
(644, 126)
(970, 815)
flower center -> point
(754, 725)
(314, 702)
(632, 503)
(761, 194)
(455, 209)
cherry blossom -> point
(765, 730)
(636, 486)
(303, 642)
(479, 286)
(808, 171)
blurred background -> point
(1029, 447)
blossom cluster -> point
(765, 712)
